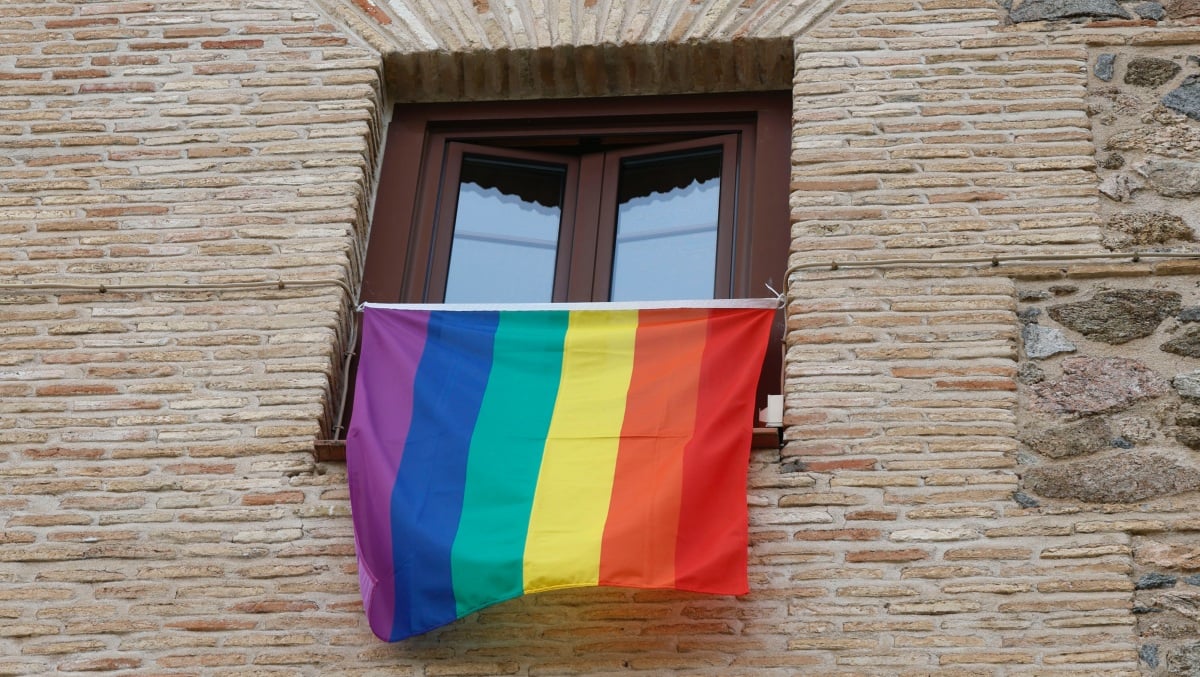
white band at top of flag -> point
(607, 305)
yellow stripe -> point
(570, 504)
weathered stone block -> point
(1154, 581)
(1104, 68)
(1046, 10)
(1095, 385)
(1174, 178)
(1118, 315)
(1145, 228)
(1042, 342)
(1029, 373)
(1117, 478)
(1187, 385)
(1184, 661)
(1086, 437)
(1185, 98)
(1119, 187)
(1178, 9)
(1187, 344)
(1150, 10)
(1148, 653)
(1168, 555)
(1150, 71)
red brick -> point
(157, 46)
(133, 210)
(77, 389)
(907, 555)
(193, 32)
(82, 23)
(837, 535)
(273, 607)
(275, 498)
(232, 44)
(101, 664)
(116, 87)
(211, 625)
(63, 453)
(843, 464)
(375, 13)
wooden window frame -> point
(406, 262)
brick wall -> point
(160, 508)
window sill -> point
(334, 451)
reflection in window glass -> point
(505, 232)
(666, 246)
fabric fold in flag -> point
(495, 452)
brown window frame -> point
(408, 249)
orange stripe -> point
(638, 549)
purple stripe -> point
(380, 424)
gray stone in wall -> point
(1047, 10)
(1118, 315)
(1187, 385)
(1189, 437)
(1184, 602)
(1091, 385)
(1187, 422)
(1179, 9)
(1123, 477)
(1142, 228)
(1185, 98)
(1149, 654)
(1042, 342)
(1187, 344)
(1188, 413)
(1078, 439)
(1184, 661)
(1147, 71)
(1153, 581)
(1119, 187)
(1029, 373)
(1104, 68)
(1150, 10)
(1025, 500)
(1189, 314)
(1173, 178)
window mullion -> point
(591, 197)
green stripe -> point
(505, 458)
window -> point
(644, 198)
(640, 198)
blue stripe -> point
(427, 498)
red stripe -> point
(710, 555)
(638, 549)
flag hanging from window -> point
(498, 452)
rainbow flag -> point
(494, 453)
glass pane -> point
(667, 215)
(505, 231)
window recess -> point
(622, 199)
